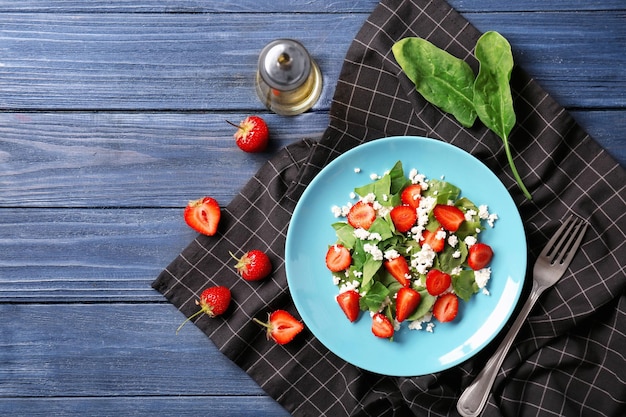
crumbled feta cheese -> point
(336, 211)
(470, 241)
(358, 274)
(376, 253)
(456, 254)
(483, 212)
(361, 233)
(492, 219)
(369, 198)
(357, 170)
(482, 277)
(391, 254)
(456, 271)
(469, 214)
(374, 176)
(478, 230)
(336, 280)
(423, 259)
(418, 324)
(441, 234)
(348, 286)
(385, 197)
(416, 178)
(453, 240)
(375, 236)
(352, 195)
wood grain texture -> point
(110, 350)
(181, 406)
(132, 159)
(309, 6)
(114, 61)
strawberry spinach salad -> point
(408, 250)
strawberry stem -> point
(193, 316)
(234, 124)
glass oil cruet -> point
(288, 81)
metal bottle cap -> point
(284, 64)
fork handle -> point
(475, 396)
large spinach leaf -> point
(439, 77)
(492, 91)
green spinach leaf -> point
(492, 91)
(441, 78)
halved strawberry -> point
(479, 256)
(446, 307)
(437, 282)
(450, 217)
(281, 326)
(361, 215)
(399, 269)
(381, 326)
(203, 215)
(430, 238)
(349, 303)
(338, 258)
(407, 300)
(403, 218)
(411, 195)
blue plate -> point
(413, 352)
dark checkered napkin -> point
(567, 359)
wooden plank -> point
(87, 255)
(180, 406)
(237, 406)
(132, 159)
(155, 61)
(266, 6)
(195, 62)
(111, 350)
(160, 159)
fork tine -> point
(563, 244)
(573, 243)
(550, 247)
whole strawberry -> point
(252, 134)
(281, 326)
(213, 302)
(254, 265)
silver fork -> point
(549, 268)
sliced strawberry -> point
(281, 326)
(450, 217)
(381, 326)
(446, 307)
(437, 282)
(411, 195)
(407, 300)
(338, 258)
(349, 303)
(403, 218)
(361, 215)
(479, 256)
(430, 238)
(203, 215)
(399, 269)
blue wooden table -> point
(112, 118)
